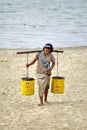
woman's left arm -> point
(52, 66)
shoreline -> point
(69, 47)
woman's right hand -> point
(27, 65)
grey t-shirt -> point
(40, 66)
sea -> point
(33, 23)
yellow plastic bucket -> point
(57, 85)
(27, 86)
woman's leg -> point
(46, 93)
(41, 100)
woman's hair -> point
(48, 46)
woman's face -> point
(46, 51)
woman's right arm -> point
(31, 63)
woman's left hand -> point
(49, 72)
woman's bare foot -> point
(41, 104)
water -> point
(32, 23)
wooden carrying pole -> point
(26, 52)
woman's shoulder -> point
(52, 57)
(51, 54)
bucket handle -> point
(27, 67)
(57, 63)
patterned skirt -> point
(43, 81)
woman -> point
(43, 70)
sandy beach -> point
(66, 111)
